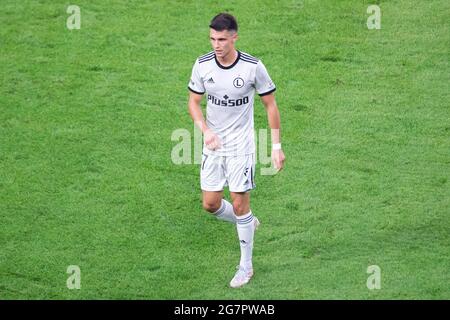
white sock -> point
(226, 212)
(246, 230)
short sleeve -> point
(196, 82)
(263, 83)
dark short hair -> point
(224, 21)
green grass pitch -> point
(86, 176)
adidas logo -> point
(245, 171)
(210, 80)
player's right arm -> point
(196, 91)
(212, 141)
(196, 111)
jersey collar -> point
(231, 65)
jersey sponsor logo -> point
(226, 102)
(238, 82)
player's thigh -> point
(240, 172)
(212, 175)
(241, 202)
(212, 200)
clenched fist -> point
(212, 141)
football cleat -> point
(256, 223)
(241, 277)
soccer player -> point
(230, 78)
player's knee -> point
(240, 207)
(211, 206)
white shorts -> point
(236, 172)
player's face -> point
(222, 42)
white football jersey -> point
(230, 94)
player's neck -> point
(229, 59)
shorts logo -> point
(245, 171)
(238, 82)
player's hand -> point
(212, 141)
(278, 159)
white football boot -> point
(256, 222)
(241, 277)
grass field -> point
(86, 176)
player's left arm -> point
(273, 116)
